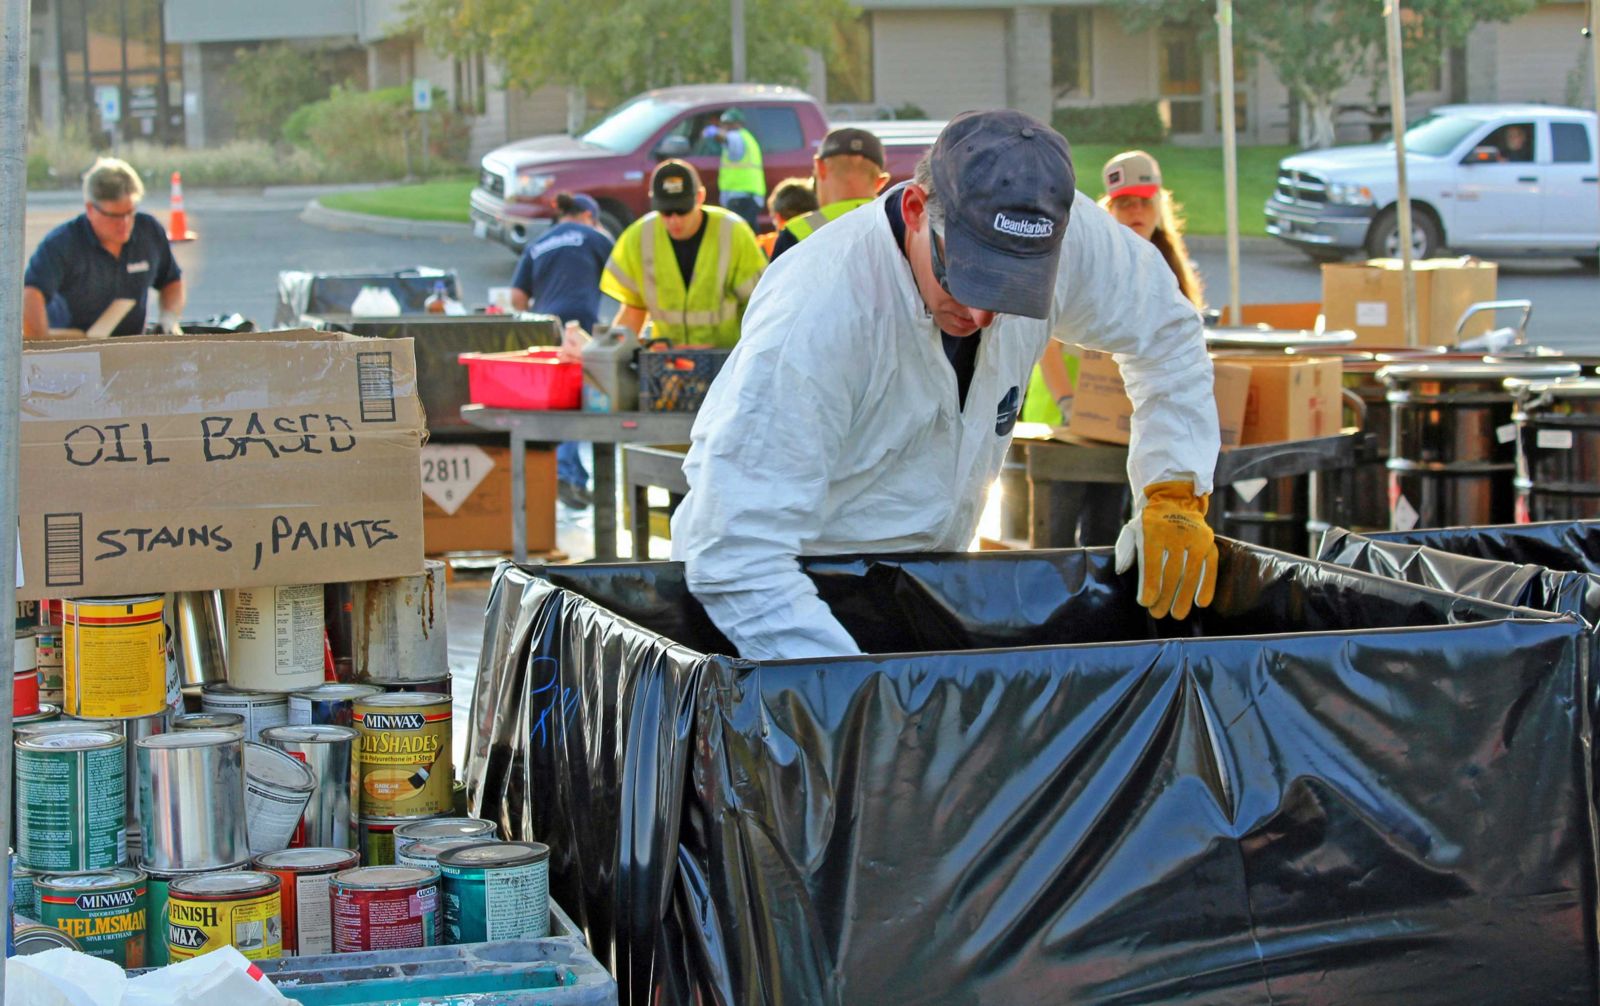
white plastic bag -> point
(375, 302)
(63, 977)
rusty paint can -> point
(305, 876)
(275, 637)
(399, 627)
(242, 909)
(405, 764)
(114, 657)
(386, 908)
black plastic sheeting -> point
(1328, 787)
(1573, 545)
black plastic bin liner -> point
(1334, 788)
(1554, 544)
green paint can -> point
(103, 912)
(496, 891)
(24, 898)
(71, 801)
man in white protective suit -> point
(871, 399)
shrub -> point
(377, 134)
(1132, 125)
(267, 83)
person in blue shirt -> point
(110, 251)
(559, 274)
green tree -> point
(620, 47)
(1317, 47)
(267, 83)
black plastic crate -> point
(676, 380)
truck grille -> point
(1298, 187)
(492, 183)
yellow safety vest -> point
(804, 227)
(745, 174)
(643, 272)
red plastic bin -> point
(524, 379)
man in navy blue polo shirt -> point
(108, 252)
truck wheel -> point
(1383, 237)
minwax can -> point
(496, 891)
(275, 637)
(305, 876)
(104, 912)
(442, 827)
(240, 909)
(405, 755)
(259, 709)
(114, 657)
(332, 703)
(386, 908)
(71, 801)
(155, 943)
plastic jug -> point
(610, 378)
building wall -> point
(944, 61)
(213, 21)
(1538, 57)
(1122, 64)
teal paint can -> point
(496, 891)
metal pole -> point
(737, 17)
(13, 200)
(1230, 155)
(1397, 117)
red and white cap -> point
(1134, 173)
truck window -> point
(1569, 142)
(630, 125)
(1514, 141)
(777, 129)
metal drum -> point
(1271, 513)
(1558, 449)
(1452, 450)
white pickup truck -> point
(1507, 179)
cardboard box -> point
(1101, 409)
(165, 463)
(1292, 398)
(1366, 298)
(466, 505)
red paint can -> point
(386, 908)
(25, 676)
(307, 877)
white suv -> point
(1491, 178)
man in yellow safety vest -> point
(741, 177)
(687, 267)
(849, 172)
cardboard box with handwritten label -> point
(153, 464)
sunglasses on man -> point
(113, 216)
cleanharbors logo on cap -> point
(1024, 228)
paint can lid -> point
(494, 855)
(337, 690)
(120, 876)
(308, 733)
(224, 885)
(38, 939)
(190, 739)
(307, 859)
(445, 827)
(71, 740)
(379, 878)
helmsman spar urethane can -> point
(104, 912)
(496, 891)
(242, 909)
(405, 755)
(306, 876)
(71, 801)
(386, 908)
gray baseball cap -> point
(1006, 182)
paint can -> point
(275, 637)
(242, 909)
(405, 755)
(71, 802)
(135, 730)
(198, 637)
(104, 912)
(38, 939)
(333, 702)
(47, 655)
(25, 676)
(304, 876)
(400, 627)
(114, 657)
(386, 908)
(442, 827)
(50, 614)
(434, 686)
(47, 714)
(426, 852)
(259, 709)
(328, 753)
(24, 896)
(38, 728)
(338, 610)
(496, 891)
(157, 883)
(191, 793)
(231, 722)
(375, 841)
(276, 791)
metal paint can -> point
(50, 613)
(191, 793)
(434, 686)
(275, 637)
(38, 939)
(71, 807)
(333, 702)
(305, 876)
(426, 853)
(328, 752)
(386, 908)
(104, 912)
(38, 728)
(375, 841)
(135, 730)
(405, 755)
(24, 896)
(199, 637)
(259, 709)
(155, 943)
(338, 613)
(276, 791)
(400, 627)
(25, 675)
(242, 909)
(496, 891)
(48, 656)
(232, 722)
(442, 827)
(114, 657)
(47, 714)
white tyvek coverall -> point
(834, 427)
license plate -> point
(480, 229)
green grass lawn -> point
(1194, 174)
(442, 200)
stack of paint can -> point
(398, 633)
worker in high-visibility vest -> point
(849, 172)
(791, 199)
(742, 176)
(687, 267)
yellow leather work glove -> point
(1176, 549)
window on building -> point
(1071, 59)
(471, 90)
(1182, 78)
(849, 73)
(1569, 143)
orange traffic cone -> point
(177, 219)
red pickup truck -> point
(517, 184)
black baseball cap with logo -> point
(850, 140)
(1006, 183)
(674, 187)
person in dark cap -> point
(871, 400)
(849, 172)
(687, 267)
